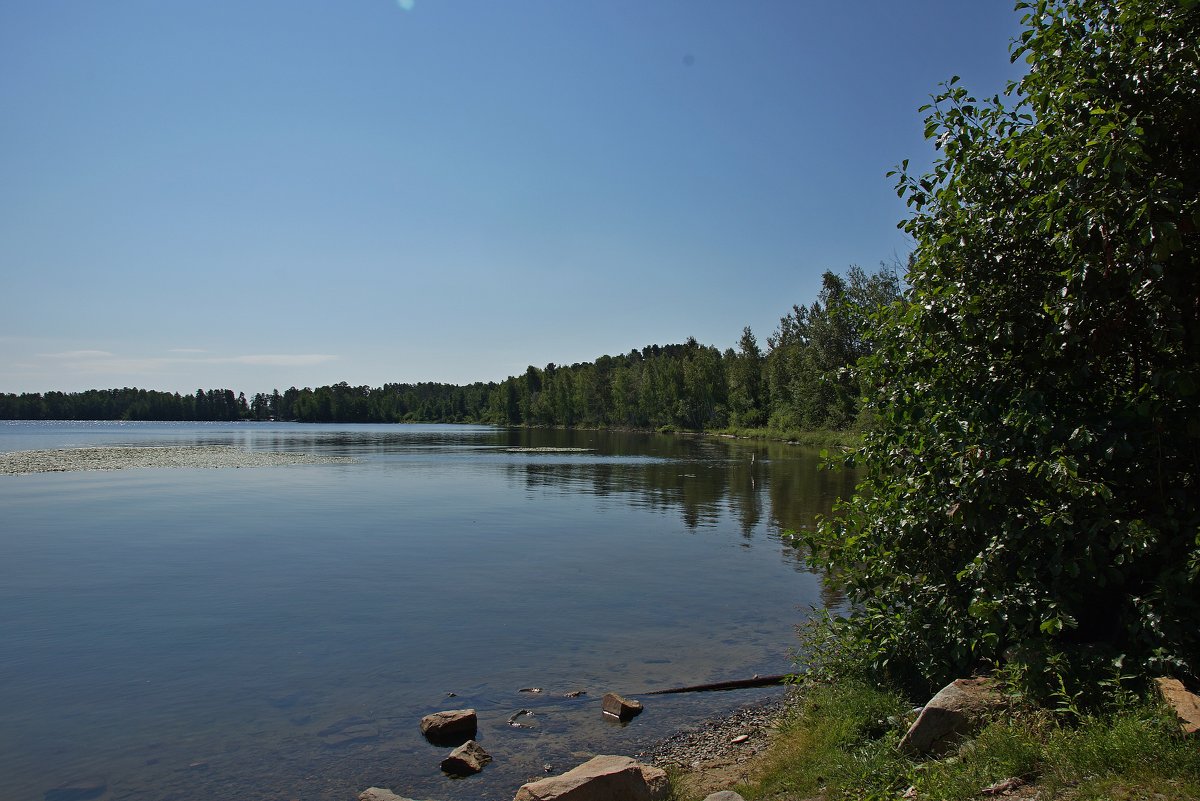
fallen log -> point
(738, 684)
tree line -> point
(128, 403)
(803, 380)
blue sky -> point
(257, 194)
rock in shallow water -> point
(620, 708)
(468, 758)
(450, 724)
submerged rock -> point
(83, 790)
(353, 729)
(514, 719)
(359, 733)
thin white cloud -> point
(79, 354)
(116, 364)
(277, 359)
(102, 361)
(187, 356)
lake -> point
(278, 632)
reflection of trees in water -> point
(799, 493)
(695, 488)
(745, 495)
(768, 488)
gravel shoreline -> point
(720, 753)
(65, 460)
(720, 738)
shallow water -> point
(278, 632)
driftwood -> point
(739, 684)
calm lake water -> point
(277, 633)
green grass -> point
(840, 743)
(1134, 754)
(838, 739)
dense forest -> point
(803, 380)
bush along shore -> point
(1021, 556)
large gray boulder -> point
(602, 778)
(959, 709)
(468, 758)
(450, 724)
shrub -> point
(1030, 489)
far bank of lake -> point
(278, 631)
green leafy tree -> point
(809, 369)
(1031, 489)
(785, 361)
(626, 378)
(511, 403)
(704, 391)
(747, 405)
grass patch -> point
(839, 739)
(1133, 754)
(840, 743)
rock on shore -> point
(601, 778)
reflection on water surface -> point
(278, 632)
